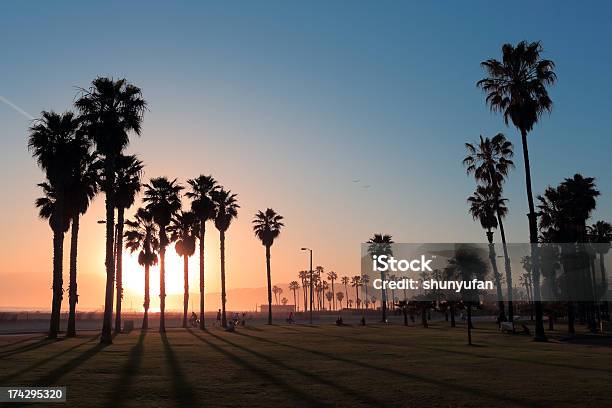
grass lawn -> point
(285, 366)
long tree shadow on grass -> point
(183, 391)
(44, 361)
(14, 343)
(519, 360)
(119, 393)
(57, 373)
(349, 392)
(29, 347)
(299, 396)
(443, 385)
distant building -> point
(284, 309)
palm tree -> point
(294, 286)
(601, 234)
(110, 110)
(332, 276)
(284, 301)
(564, 211)
(79, 195)
(356, 283)
(58, 147)
(365, 280)
(516, 86)
(484, 204)
(277, 291)
(329, 295)
(381, 244)
(267, 226)
(204, 208)
(163, 202)
(345, 280)
(490, 160)
(142, 236)
(340, 297)
(184, 229)
(303, 275)
(128, 171)
(226, 209)
(324, 288)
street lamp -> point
(310, 250)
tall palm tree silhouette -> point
(303, 275)
(110, 110)
(163, 202)
(332, 276)
(601, 234)
(516, 86)
(339, 298)
(294, 286)
(345, 280)
(226, 209)
(356, 283)
(381, 244)
(564, 211)
(82, 190)
(204, 208)
(490, 160)
(56, 144)
(142, 235)
(267, 226)
(485, 204)
(365, 280)
(184, 229)
(128, 171)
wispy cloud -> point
(17, 108)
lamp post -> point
(310, 250)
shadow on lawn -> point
(350, 393)
(119, 393)
(28, 347)
(43, 361)
(298, 395)
(183, 391)
(444, 386)
(519, 360)
(27, 339)
(54, 375)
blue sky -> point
(287, 103)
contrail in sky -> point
(17, 108)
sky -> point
(288, 104)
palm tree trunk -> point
(469, 321)
(119, 271)
(383, 298)
(269, 276)
(186, 293)
(58, 256)
(334, 292)
(533, 239)
(73, 297)
(222, 248)
(106, 336)
(147, 300)
(294, 299)
(201, 248)
(424, 317)
(507, 268)
(162, 288)
(492, 258)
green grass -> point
(285, 366)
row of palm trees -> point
(517, 86)
(82, 154)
